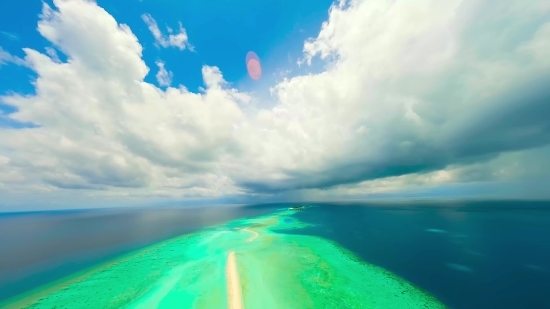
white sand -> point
(254, 235)
(234, 293)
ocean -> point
(468, 254)
(40, 247)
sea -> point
(468, 254)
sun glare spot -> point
(253, 65)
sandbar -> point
(254, 235)
(234, 293)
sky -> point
(141, 102)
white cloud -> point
(416, 78)
(102, 127)
(164, 78)
(413, 91)
(53, 54)
(6, 58)
(178, 40)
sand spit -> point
(234, 293)
(254, 235)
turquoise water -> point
(276, 270)
(495, 252)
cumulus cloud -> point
(178, 40)
(411, 87)
(413, 92)
(101, 126)
(164, 78)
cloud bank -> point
(413, 92)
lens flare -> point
(253, 65)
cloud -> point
(164, 78)
(420, 86)
(9, 35)
(53, 54)
(6, 58)
(178, 40)
(101, 125)
(521, 168)
(414, 94)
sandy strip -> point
(234, 293)
(254, 235)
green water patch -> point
(276, 270)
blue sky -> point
(221, 32)
(359, 99)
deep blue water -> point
(467, 254)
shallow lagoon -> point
(277, 270)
